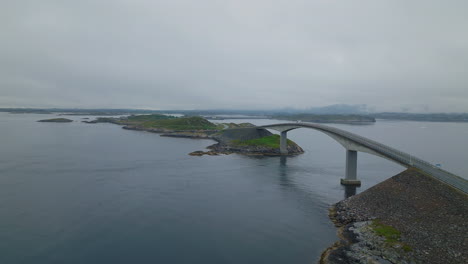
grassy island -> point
(56, 120)
(232, 138)
(181, 123)
(157, 121)
(272, 141)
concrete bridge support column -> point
(351, 169)
(284, 143)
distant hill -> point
(434, 117)
(339, 109)
(326, 118)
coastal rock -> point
(429, 215)
(293, 149)
(362, 245)
(201, 153)
(56, 120)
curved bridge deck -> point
(354, 143)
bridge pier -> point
(284, 143)
(351, 169)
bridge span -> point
(354, 143)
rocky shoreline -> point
(425, 218)
(361, 244)
(56, 120)
(226, 149)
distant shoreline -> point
(322, 117)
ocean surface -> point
(96, 193)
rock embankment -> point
(431, 219)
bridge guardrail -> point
(394, 154)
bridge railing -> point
(394, 154)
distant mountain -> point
(327, 118)
(339, 109)
(343, 109)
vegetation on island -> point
(157, 121)
(181, 123)
(232, 138)
(146, 118)
(56, 120)
(272, 141)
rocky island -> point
(242, 138)
(254, 141)
(56, 120)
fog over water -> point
(96, 193)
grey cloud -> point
(234, 54)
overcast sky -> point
(246, 54)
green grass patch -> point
(145, 118)
(182, 123)
(106, 120)
(272, 141)
(390, 234)
(406, 248)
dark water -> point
(82, 193)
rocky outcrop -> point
(56, 120)
(201, 153)
(228, 142)
(430, 217)
(226, 148)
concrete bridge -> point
(354, 143)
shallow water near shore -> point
(96, 193)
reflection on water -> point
(350, 190)
(283, 172)
(283, 160)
